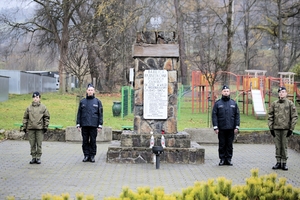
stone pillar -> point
(155, 54)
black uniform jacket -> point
(90, 112)
(225, 114)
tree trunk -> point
(280, 54)
(246, 33)
(63, 44)
(230, 32)
(181, 42)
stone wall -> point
(70, 134)
(207, 136)
(50, 135)
(265, 137)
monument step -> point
(179, 140)
(136, 155)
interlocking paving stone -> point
(62, 170)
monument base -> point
(134, 148)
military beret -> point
(35, 94)
(225, 87)
(90, 85)
(281, 88)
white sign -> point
(155, 94)
(131, 74)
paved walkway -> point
(62, 170)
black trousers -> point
(89, 135)
(226, 138)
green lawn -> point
(63, 109)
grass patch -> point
(63, 110)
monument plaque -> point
(155, 94)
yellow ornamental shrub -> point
(46, 196)
(55, 197)
(65, 196)
(127, 193)
(80, 196)
(239, 196)
(143, 190)
(158, 193)
(253, 187)
(224, 186)
(206, 192)
(254, 172)
(238, 192)
(186, 192)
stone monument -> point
(156, 55)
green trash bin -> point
(116, 108)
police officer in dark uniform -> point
(282, 120)
(89, 122)
(226, 122)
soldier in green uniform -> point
(35, 122)
(282, 120)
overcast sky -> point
(14, 3)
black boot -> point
(85, 159)
(228, 162)
(222, 162)
(284, 167)
(92, 159)
(38, 161)
(277, 166)
(33, 161)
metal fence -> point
(21, 82)
(4, 86)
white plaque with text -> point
(155, 94)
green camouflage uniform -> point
(283, 117)
(36, 121)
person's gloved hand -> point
(272, 133)
(44, 130)
(290, 132)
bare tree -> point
(247, 5)
(77, 61)
(281, 23)
(50, 26)
(208, 52)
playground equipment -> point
(254, 83)
(255, 89)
